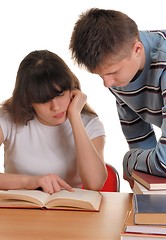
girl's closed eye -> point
(60, 94)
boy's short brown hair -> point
(99, 33)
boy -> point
(132, 65)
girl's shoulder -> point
(4, 115)
(94, 127)
(6, 123)
(91, 120)
(88, 117)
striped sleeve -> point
(145, 154)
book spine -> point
(134, 203)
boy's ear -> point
(137, 48)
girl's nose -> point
(54, 104)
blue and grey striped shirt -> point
(142, 104)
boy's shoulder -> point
(152, 34)
(151, 39)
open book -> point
(79, 199)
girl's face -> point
(53, 112)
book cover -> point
(151, 182)
(149, 208)
(79, 199)
(138, 188)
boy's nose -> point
(108, 81)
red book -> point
(151, 182)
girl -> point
(52, 138)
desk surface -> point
(37, 224)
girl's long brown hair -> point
(42, 75)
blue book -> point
(149, 209)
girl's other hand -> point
(78, 100)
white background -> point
(28, 25)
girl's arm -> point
(90, 154)
(49, 183)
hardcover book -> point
(149, 209)
(140, 236)
(79, 199)
(130, 227)
(138, 188)
(151, 182)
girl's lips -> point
(59, 115)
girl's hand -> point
(78, 100)
(50, 183)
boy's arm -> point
(145, 153)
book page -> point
(78, 198)
(35, 196)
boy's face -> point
(120, 73)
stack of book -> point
(147, 218)
(148, 184)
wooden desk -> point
(37, 224)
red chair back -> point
(112, 183)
